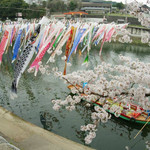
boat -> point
(129, 114)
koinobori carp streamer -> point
(26, 55)
(28, 39)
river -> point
(35, 94)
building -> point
(95, 7)
(38, 2)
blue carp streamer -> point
(17, 45)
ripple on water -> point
(35, 94)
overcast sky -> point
(128, 1)
(123, 1)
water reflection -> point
(35, 94)
(127, 128)
(117, 127)
(47, 120)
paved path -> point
(4, 145)
(27, 136)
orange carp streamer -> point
(68, 47)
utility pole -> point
(126, 18)
(47, 13)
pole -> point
(142, 127)
(126, 18)
(46, 9)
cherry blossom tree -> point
(126, 83)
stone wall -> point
(130, 20)
(137, 31)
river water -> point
(35, 94)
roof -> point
(59, 16)
(76, 13)
(94, 8)
(89, 4)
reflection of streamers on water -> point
(101, 58)
(80, 52)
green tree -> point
(73, 5)
(9, 9)
(56, 6)
(43, 4)
(119, 5)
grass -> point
(137, 41)
(113, 14)
(140, 26)
(119, 15)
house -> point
(96, 7)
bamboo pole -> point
(142, 127)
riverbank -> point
(27, 136)
(136, 41)
(5, 145)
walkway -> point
(27, 136)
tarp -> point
(76, 13)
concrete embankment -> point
(27, 136)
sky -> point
(123, 1)
(128, 1)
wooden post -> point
(142, 127)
